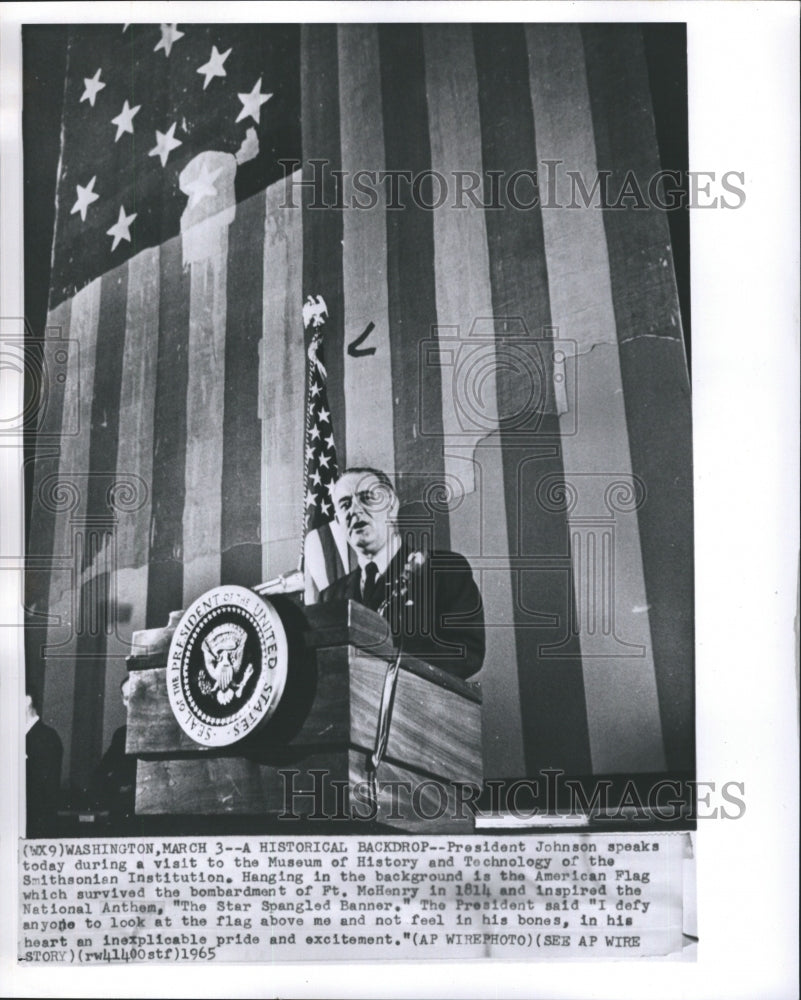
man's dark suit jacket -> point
(444, 622)
(44, 751)
(114, 783)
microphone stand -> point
(398, 593)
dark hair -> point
(367, 470)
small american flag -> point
(325, 554)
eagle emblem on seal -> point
(223, 651)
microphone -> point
(287, 583)
(414, 564)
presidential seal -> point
(227, 666)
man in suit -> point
(114, 783)
(43, 755)
(429, 597)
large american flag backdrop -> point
(520, 370)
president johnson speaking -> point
(429, 597)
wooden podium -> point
(311, 761)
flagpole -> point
(305, 442)
(315, 313)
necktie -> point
(369, 589)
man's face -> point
(367, 509)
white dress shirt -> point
(382, 558)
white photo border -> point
(743, 116)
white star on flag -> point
(169, 36)
(165, 144)
(202, 187)
(324, 460)
(86, 195)
(252, 102)
(324, 415)
(92, 85)
(314, 432)
(124, 120)
(214, 67)
(121, 230)
(329, 440)
(309, 499)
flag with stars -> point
(141, 102)
(188, 438)
(325, 552)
